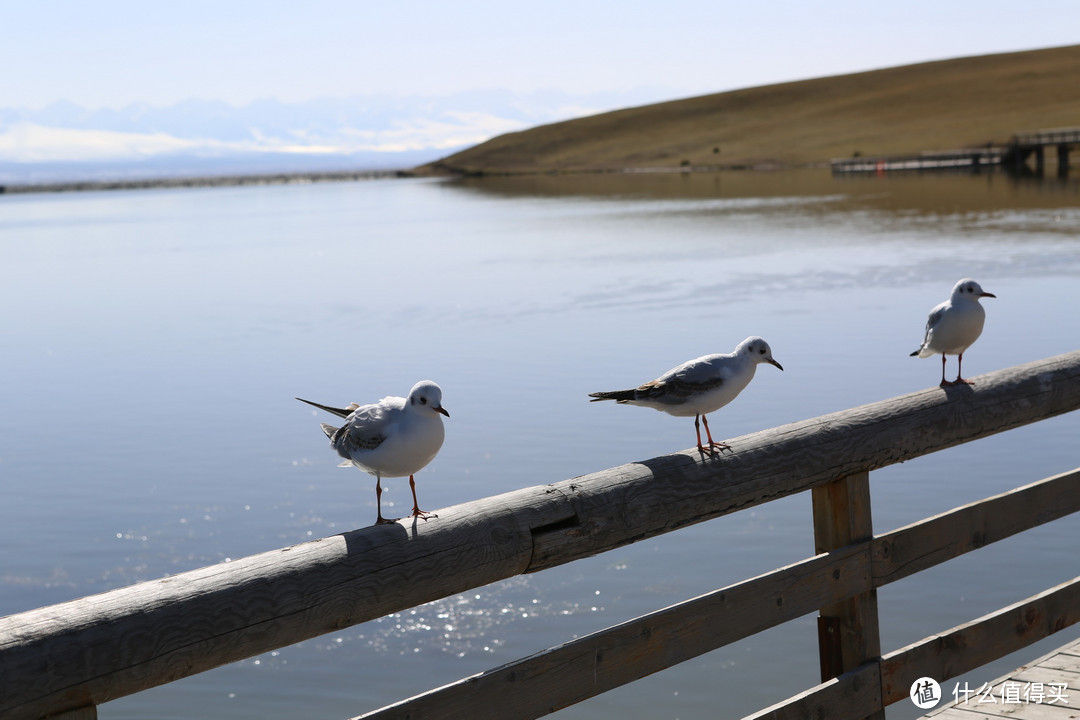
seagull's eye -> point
(423, 401)
(761, 351)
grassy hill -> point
(939, 105)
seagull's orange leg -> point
(959, 364)
(380, 520)
(713, 445)
(697, 427)
(416, 511)
(944, 382)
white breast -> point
(959, 327)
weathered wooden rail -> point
(71, 657)
(1032, 695)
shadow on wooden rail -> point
(78, 654)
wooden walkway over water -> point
(64, 660)
(1024, 154)
(1045, 689)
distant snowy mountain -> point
(66, 142)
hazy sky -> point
(113, 53)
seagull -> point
(699, 386)
(954, 325)
(394, 437)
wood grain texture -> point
(105, 646)
(1059, 666)
(842, 528)
(848, 633)
(976, 643)
(577, 670)
(643, 499)
(98, 648)
(852, 696)
(929, 542)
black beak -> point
(441, 409)
(773, 362)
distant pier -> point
(1027, 146)
(1025, 154)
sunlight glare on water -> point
(155, 341)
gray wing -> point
(676, 385)
(932, 322)
(363, 430)
(676, 390)
(934, 318)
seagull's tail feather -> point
(915, 354)
(340, 412)
(616, 395)
(329, 429)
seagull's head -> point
(968, 289)
(758, 350)
(426, 396)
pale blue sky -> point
(114, 53)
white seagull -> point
(954, 325)
(394, 437)
(699, 386)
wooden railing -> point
(68, 658)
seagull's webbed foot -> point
(423, 514)
(714, 448)
(385, 521)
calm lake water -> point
(154, 340)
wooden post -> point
(1063, 160)
(109, 645)
(848, 630)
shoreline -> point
(433, 170)
(441, 170)
(300, 178)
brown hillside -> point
(939, 105)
